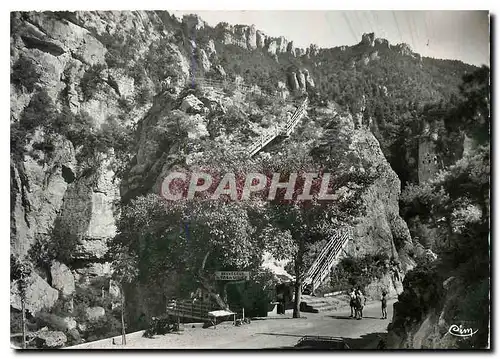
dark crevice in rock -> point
(77, 57)
(42, 45)
(68, 174)
(114, 85)
(24, 187)
(68, 16)
(83, 263)
(41, 29)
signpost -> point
(235, 277)
(232, 275)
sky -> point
(457, 35)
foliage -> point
(104, 327)
(160, 63)
(457, 204)
(354, 272)
(154, 233)
(41, 253)
(256, 294)
(24, 74)
(122, 49)
(91, 80)
(20, 270)
(52, 321)
(421, 293)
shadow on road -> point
(283, 335)
(340, 317)
(347, 317)
(370, 341)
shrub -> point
(42, 253)
(63, 243)
(125, 104)
(144, 95)
(39, 112)
(24, 74)
(104, 327)
(423, 291)
(52, 321)
(91, 80)
(358, 271)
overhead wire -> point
(365, 15)
(361, 24)
(414, 30)
(411, 30)
(397, 25)
(376, 24)
(426, 28)
(346, 18)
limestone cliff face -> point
(54, 192)
(249, 38)
(432, 329)
(380, 229)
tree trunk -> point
(298, 294)
(124, 337)
(298, 264)
(205, 283)
(23, 309)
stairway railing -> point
(286, 130)
(322, 265)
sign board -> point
(232, 275)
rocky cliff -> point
(101, 112)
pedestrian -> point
(360, 303)
(384, 305)
(352, 302)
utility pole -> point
(124, 337)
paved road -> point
(268, 333)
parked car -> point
(321, 343)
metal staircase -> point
(322, 265)
(284, 131)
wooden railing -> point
(285, 130)
(192, 309)
(219, 85)
(322, 265)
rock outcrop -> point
(94, 313)
(50, 339)
(260, 39)
(62, 278)
(381, 228)
(403, 49)
(382, 42)
(300, 80)
(193, 22)
(39, 295)
(368, 39)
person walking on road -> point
(384, 305)
(352, 303)
(360, 303)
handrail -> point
(284, 130)
(323, 263)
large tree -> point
(295, 228)
(219, 236)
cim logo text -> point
(460, 331)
